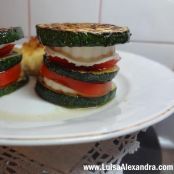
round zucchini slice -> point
(87, 76)
(81, 34)
(12, 34)
(14, 86)
(72, 101)
(9, 61)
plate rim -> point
(91, 137)
(94, 136)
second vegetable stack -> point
(80, 63)
(11, 75)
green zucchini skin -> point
(8, 35)
(14, 86)
(72, 101)
(9, 61)
(61, 38)
(86, 76)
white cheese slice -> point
(83, 56)
(86, 54)
(57, 86)
(3, 45)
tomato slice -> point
(97, 67)
(6, 49)
(83, 88)
(10, 76)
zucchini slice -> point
(14, 86)
(72, 101)
(81, 34)
(9, 61)
(87, 76)
(12, 34)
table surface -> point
(149, 152)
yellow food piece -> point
(32, 52)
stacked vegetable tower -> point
(11, 76)
(80, 63)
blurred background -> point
(151, 24)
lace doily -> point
(66, 159)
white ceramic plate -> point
(145, 96)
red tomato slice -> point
(83, 88)
(97, 67)
(5, 50)
(10, 76)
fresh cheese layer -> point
(83, 56)
(3, 45)
(57, 86)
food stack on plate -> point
(80, 63)
(11, 75)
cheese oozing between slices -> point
(57, 86)
(4, 45)
(83, 56)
